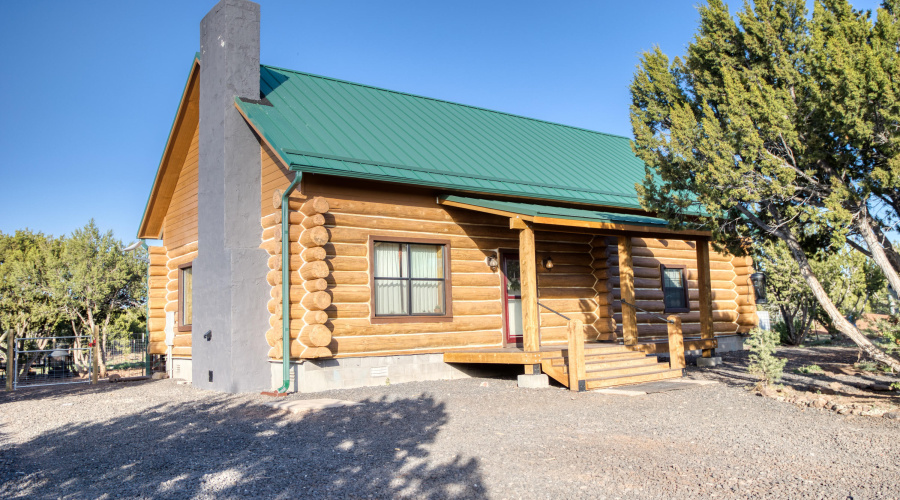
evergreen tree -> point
(777, 127)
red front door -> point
(512, 297)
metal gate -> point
(41, 361)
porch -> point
(582, 363)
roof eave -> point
(152, 229)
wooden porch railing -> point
(575, 334)
(676, 337)
(575, 331)
(676, 343)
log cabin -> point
(317, 234)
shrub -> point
(763, 363)
(866, 366)
(810, 369)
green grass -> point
(125, 366)
(866, 366)
(810, 370)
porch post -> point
(704, 283)
(626, 287)
(528, 272)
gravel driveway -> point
(457, 439)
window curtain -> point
(427, 261)
(391, 294)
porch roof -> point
(562, 216)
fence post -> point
(576, 355)
(10, 363)
(676, 343)
(95, 355)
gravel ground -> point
(839, 383)
(473, 438)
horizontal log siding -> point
(156, 323)
(733, 307)
(583, 283)
(476, 304)
(174, 258)
(179, 247)
(569, 287)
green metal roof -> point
(535, 210)
(323, 125)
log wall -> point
(180, 244)
(734, 310)
(156, 323)
(583, 283)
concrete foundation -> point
(181, 369)
(346, 373)
(541, 381)
(709, 362)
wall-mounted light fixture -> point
(491, 261)
(758, 280)
(548, 263)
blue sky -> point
(90, 88)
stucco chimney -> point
(230, 289)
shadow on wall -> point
(218, 447)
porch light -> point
(491, 261)
(759, 287)
(548, 263)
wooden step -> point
(598, 358)
(627, 371)
(599, 366)
(649, 376)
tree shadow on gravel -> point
(217, 447)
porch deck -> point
(605, 364)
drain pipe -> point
(286, 285)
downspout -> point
(286, 285)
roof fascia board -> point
(186, 118)
(548, 219)
(485, 209)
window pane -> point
(391, 297)
(390, 260)
(187, 307)
(427, 296)
(673, 289)
(426, 261)
(513, 280)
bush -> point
(763, 363)
(810, 369)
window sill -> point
(673, 311)
(382, 320)
(183, 329)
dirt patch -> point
(839, 384)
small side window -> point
(675, 290)
(185, 297)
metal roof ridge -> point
(548, 122)
(450, 174)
